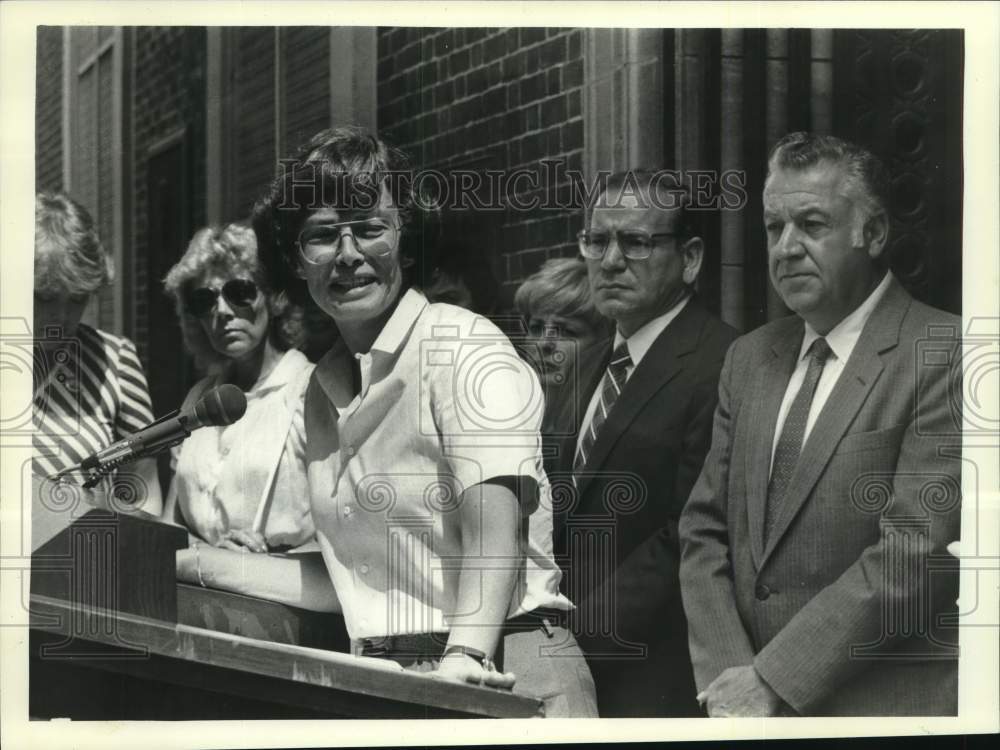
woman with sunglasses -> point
(241, 486)
(431, 507)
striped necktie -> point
(786, 455)
(611, 387)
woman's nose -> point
(347, 251)
(222, 307)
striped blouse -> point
(89, 392)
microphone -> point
(220, 406)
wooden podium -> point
(114, 636)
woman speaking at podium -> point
(422, 437)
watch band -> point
(484, 661)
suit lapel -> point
(768, 391)
(659, 366)
(855, 383)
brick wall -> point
(48, 109)
(168, 94)
(491, 99)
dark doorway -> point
(899, 93)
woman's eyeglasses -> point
(237, 292)
(634, 244)
(320, 244)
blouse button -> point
(364, 569)
(347, 511)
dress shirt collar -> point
(640, 342)
(288, 367)
(333, 371)
(844, 336)
(290, 364)
(398, 327)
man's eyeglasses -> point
(237, 292)
(319, 245)
(634, 244)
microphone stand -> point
(96, 473)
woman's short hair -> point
(560, 287)
(229, 250)
(69, 256)
(342, 168)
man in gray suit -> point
(814, 572)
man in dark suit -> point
(814, 571)
(640, 427)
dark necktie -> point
(611, 387)
(786, 455)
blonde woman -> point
(242, 485)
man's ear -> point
(692, 252)
(876, 234)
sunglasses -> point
(237, 292)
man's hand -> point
(237, 540)
(461, 668)
(740, 691)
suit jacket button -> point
(762, 592)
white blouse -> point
(445, 404)
(223, 474)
